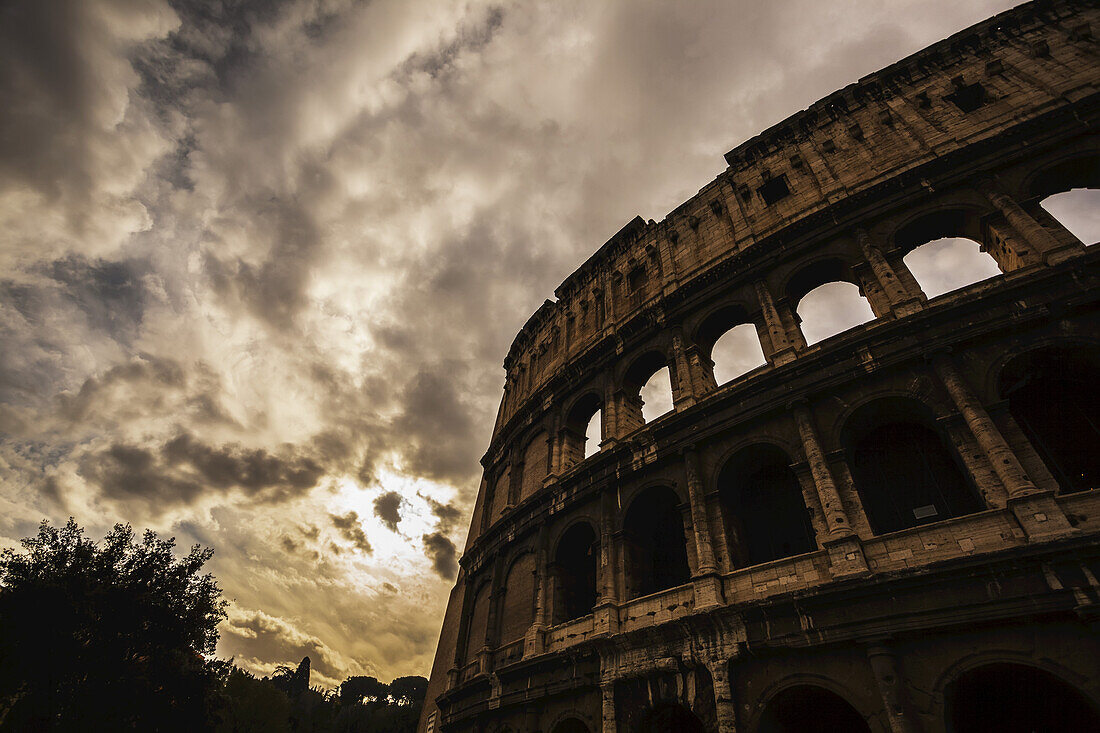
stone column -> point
(892, 689)
(783, 346)
(1032, 231)
(607, 706)
(534, 641)
(902, 302)
(812, 502)
(846, 556)
(723, 696)
(836, 519)
(993, 444)
(605, 617)
(1038, 513)
(708, 588)
(690, 376)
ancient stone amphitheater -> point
(893, 529)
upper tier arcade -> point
(909, 124)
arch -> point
(1053, 395)
(570, 725)
(762, 506)
(578, 427)
(949, 263)
(479, 623)
(502, 488)
(810, 709)
(813, 275)
(518, 608)
(1016, 698)
(827, 298)
(904, 471)
(959, 222)
(669, 717)
(574, 573)
(1078, 211)
(648, 379)
(654, 543)
(729, 343)
(1077, 171)
(536, 458)
(1068, 191)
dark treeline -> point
(120, 636)
(286, 702)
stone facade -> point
(894, 529)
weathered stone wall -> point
(962, 139)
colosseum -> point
(894, 528)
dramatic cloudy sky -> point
(260, 262)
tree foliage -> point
(112, 637)
(106, 637)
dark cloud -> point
(351, 530)
(152, 371)
(184, 470)
(448, 515)
(111, 295)
(441, 551)
(441, 441)
(387, 507)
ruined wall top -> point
(943, 99)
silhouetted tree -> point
(107, 637)
(355, 690)
(408, 690)
(253, 705)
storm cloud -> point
(262, 261)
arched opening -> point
(574, 573)
(766, 518)
(570, 725)
(653, 535)
(729, 344)
(828, 300)
(669, 718)
(943, 265)
(811, 709)
(656, 395)
(647, 387)
(904, 472)
(1069, 192)
(518, 609)
(1054, 396)
(501, 494)
(1016, 698)
(1078, 210)
(582, 431)
(535, 465)
(478, 624)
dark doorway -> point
(656, 551)
(1054, 396)
(904, 472)
(570, 725)
(669, 718)
(811, 709)
(766, 518)
(575, 573)
(1015, 698)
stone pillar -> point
(1032, 231)
(534, 641)
(993, 444)
(1038, 513)
(605, 617)
(783, 344)
(902, 301)
(607, 706)
(626, 415)
(690, 377)
(725, 710)
(812, 502)
(845, 551)
(892, 689)
(708, 587)
(836, 519)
